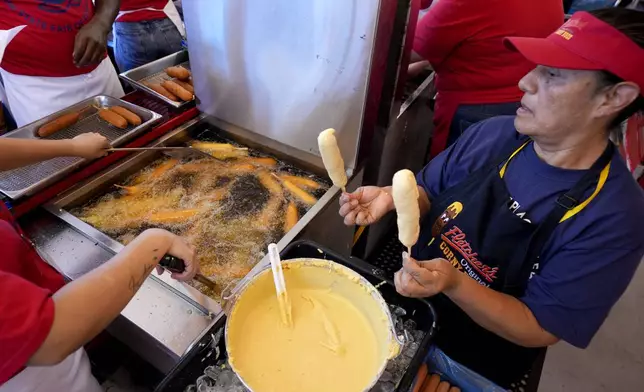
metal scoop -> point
(174, 152)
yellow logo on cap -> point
(566, 30)
(565, 34)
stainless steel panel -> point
(27, 180)
(157, 324)
(154, 72)
(285, 69)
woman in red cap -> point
(531, 224)
(476, 78)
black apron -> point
(473, 227)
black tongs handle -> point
(173, 264)
(176, 265)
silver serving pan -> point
(27, 180)
(154, 72)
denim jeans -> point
(468, 115)
(138, 43)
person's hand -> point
(90, 44)
(420, 279)
(90, 145)
(185, 251)
(414, 69)
(365, 206)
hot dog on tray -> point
(178, 72)
(177, 90)
(59, 123)
(131, 118)
(113, 118)
(185, 85)
(162, 90)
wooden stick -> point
(380, 284)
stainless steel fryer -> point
(272, 87)
(103, 183)
(27, 180)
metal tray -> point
(204, 352)
(104, 182)
(27, 180)
(154, 72)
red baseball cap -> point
(585, 43)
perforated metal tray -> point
(154, 72)
(27, 180)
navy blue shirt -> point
(590, 257)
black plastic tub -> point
(202, 355)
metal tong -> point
(175, 264)
(174, 152)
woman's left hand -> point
(419, 279)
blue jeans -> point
(456, 374)
(589, 5)
(138, 43)
(468, 115)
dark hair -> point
(631, 24)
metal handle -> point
(133, 149)
(229, 296)
(173, 264)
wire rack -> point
(161, 76)
(24, 177)
(389, 257)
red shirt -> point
(26, 307)
(143, 15)
(463, 41)
(45, 47)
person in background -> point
(55, 55)
(531, 225)
(146, 30)
(179, 5)
(476, 76)
(587, 5)
(44, 322)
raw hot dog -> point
(420, 378)
(443, 387)
(131, 118)
(431, 383)
(161, 90)
(113, 118)
(56, 125)
(177, 90)
(178, 72)
(185, 85)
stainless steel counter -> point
(158, 324)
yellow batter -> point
(339, 340)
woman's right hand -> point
(180, 248)
(90, 145)
(366, 205)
